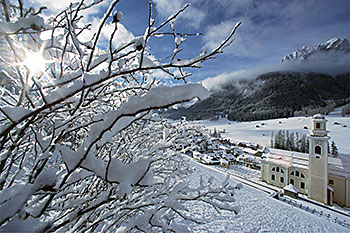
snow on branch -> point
(83, 146)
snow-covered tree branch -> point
(82, 147)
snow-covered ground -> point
(259, 212)
(338, 127)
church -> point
(323, 178)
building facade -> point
(323, 178)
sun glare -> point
(35, 62)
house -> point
(323, 178)
(253, 152)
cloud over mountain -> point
(331, 57)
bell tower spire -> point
(318, 159)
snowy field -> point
(249, 132)
(258, 212)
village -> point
(296, 174)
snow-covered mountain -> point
(302, 84)
(334, 45)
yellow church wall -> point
(341, 189)
(297, 176)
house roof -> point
(291, 188)
(338, 166)
(318, 116)
(249, 151)
(288, 158)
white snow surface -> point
(15, 113)
(258, 212)
(248, 132)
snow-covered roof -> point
(291, 188)
(318, 116)
(223, 161)
(249, 151)
(288, 158)
(339, 166)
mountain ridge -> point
(279, 93)
(306, 52)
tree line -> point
(285, 140)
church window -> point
(317, 150)
(277, 169)
(273, 169)
(282, 179)
(331, 182)
(318, 125)
(292, 181)
(292, 173)
(296, 173)
(302, 175)
(302, 185)
(272, 177)
(282, 171)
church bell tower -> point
(318, 159)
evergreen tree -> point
(272, 145)
(297, 142)
(292, 141)
(278, 140)
(307, 144)
(334, 149)
(283, 140)
(303, 143)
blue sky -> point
(270, 29)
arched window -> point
(282, 171)
(282, 179)
(292, 173)
(273, 169)
(317, 150)
(302, 175)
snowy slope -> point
(258, 212)
(247, 131)
(333, 45)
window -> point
(302, 185)
(277, 169)
(331, 182)
(317, 150)
(272, 177)
(282, 179)
(292, 173)
(282, 171)
(318, 125)
(302, 175)
(296, 173)
(291, 181)
(273, 169)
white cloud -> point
(91, 15)
(273, 28)
(331, 63)
(192, 16)
(54, 5)
(121, 36)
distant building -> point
(323, 178)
